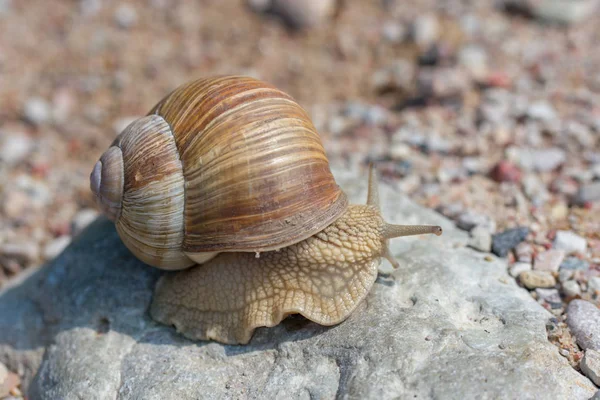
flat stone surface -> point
(447, 324)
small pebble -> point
(56, 246)
(5, 7)
(259, 5)
(571, 288)
(481, 239)
(474, 59)
(14, 147)
(551, 296)
(537, 279)
(15, 204)
(425, 30)
(82, 219)
(126, 16)
(594, 285)
(565, 275)
(24, 252)
(469, 220)
(505, 171)
(590, 365)
(303, 14)
(588, 193)
(37, 111)
(570, 242)
(518, 267)
(541, 110)
(549, 260)
(505, 241)
(524, 252)
(574, 263)
(561, 11)
(393, 32)
(583, 319)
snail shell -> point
(221, 164)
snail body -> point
(230, 173)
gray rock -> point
(583, 319)
(590, 366)
(446, 324)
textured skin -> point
(323, 278)
(256, 174)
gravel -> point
(549, 260)
(571, 288)
(37, 111)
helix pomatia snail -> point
(229, 172)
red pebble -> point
(498, 79)
(505, 171)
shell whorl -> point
(256, 173)
(151, 220)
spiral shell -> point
(221, 164)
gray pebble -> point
(90, 7)
(37, 111)
(505, 241)
(563, 11)
(14, 147)
(570, 242)
(393, 32)
(571, 288)
(537, 279)
(470, 219)
(588, 193)
(574, 263)
(517, 268)
(541, 110)
(583, 319)
(549, 295)
(542, 160)
(259, 5)
(5, 7)
(126, 16)
(590, 365)
(594, 285)
(481, 239)
(565, 275)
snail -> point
(226, 180)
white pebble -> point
(481, 239)
(125, 16)
(569, 242)
(425, 30)
(56, 246)
(15, 147)
(571, 288)
(36, 110)
(518, 267)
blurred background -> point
(487, 111)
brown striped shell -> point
(221, 164)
